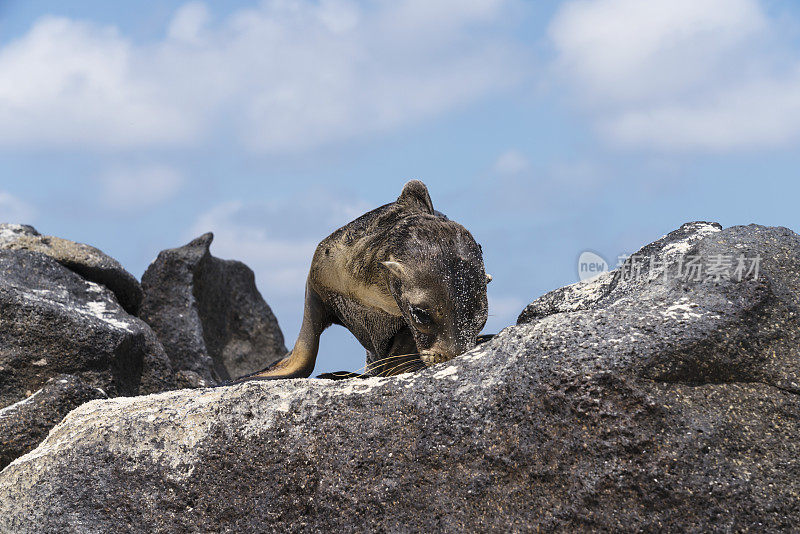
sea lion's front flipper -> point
(300, 362)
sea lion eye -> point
(420, 316)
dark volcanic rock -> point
(25, 424)
(208, 313)
(157, 373)
(661, 404)
(69, 339)
(53, 321)
(85, 260)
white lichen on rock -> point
(11, 232)
(8, 410)
(700, 232)
(451, 372)
(101, 309)
(683, 309)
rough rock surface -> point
(208, 314)
(53, 321)
(664, 404)
(87, 261)
(24, 424)
(594, 292)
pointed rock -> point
(208, 313)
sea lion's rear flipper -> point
(415, 197)
(300, 362)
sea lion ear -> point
(415, 197)
(394, 268)
(488, 278)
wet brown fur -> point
(370, 276)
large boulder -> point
(664, 403)
(53, 322)
(208, 313)
(87, 261)
(24, 424)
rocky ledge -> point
(662, 396)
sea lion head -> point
(437, 278)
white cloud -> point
(760, 114)
(629, 49)
(189, 22)
(680, 74)
(67, 83)
(130, 189)
(277, 239)
(511, 162)
(14, 210)
(286, 75)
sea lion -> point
(406, 281)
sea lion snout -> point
(432, 358)
(447, 347)
(439, 356)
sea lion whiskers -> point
(378, 363)
(409, 366)
(341, 375)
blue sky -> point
(546, 128)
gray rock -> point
(667, 404)
(208, 313)
(11, 232)
(85, 260)
(53, 321)
(189, 379)
(157, 373)
(594, 292)
(26, 423)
